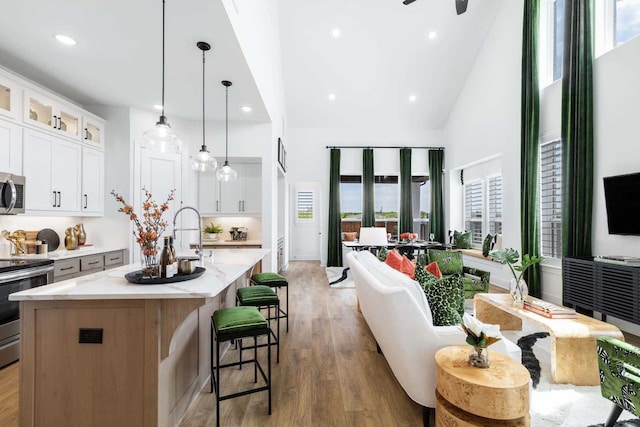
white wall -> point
(256, 27)
(308, 157)
(485, 123)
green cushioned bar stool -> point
(235, 323)
(274, 280)
(261, 296)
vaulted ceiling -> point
(382, 57)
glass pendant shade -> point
(226, 173)
(161, 137)
(203, 161)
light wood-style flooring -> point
(329, 372)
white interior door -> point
(306, 220)
(159, 174)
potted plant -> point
(517, 286)
(213, 230)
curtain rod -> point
(383, 146)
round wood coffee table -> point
(470, 396)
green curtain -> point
(577, 128)
(334, 256)
(405, 220)
(436, 215)
(368, 205)
(530, 144)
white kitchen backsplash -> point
(253, 225)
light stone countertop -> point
(227, 266)
(217, 242)
(65, 254)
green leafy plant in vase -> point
(517, 286)
(212, 230)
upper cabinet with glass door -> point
(46, 113)
(9, 98)
(93, 131)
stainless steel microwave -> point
(11, 194)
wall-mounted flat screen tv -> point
(622, 198)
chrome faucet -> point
(199, 251)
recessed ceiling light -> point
(412, 98)
(158, 107)
(246, 109)
(432, 35)
(332, 97)
(69, 41)
(336, 33)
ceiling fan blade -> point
(461, 6)
(408, 1)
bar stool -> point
(228, 324)
(274, 280)
(260, 296)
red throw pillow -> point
(407, 267)
(394, 259)
(434, 269)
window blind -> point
(495, 204)
(551, 198)
(473, 210)
(304, 207)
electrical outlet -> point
(90, 336)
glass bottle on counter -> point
(166, 260)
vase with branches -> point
(148, 228)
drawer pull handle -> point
(66, 268)
(94, 262)
(114, 259)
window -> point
(495, 204)
(304, 206)
(551, 198)
(421, 205)
(627, 20)
(386, 196)
(551, 41)
(351, 196)
(473, 211)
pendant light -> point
(203, 161)
(225, 173)
(161, 137)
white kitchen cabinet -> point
(52, 168)
(93, 131)
(47, 113)
(240, 197)
(10, 147)
(208, 190)
(92, 181)
(9, 98)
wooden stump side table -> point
(470, 396)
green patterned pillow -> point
(423, 277)
(486, 244)
(450, 262)
(446, 300)
(382, 254)
(462, 240)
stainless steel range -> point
(17, 275)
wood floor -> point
(329, 372)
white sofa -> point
(398, 314)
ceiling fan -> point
(461, 5)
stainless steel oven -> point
(11, 194)
(15, 276)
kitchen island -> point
(99, 351)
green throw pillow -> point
(423, 277)
(486, 244)
(450, 262)
(446, 300)
(382, 254)
(462, 240)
